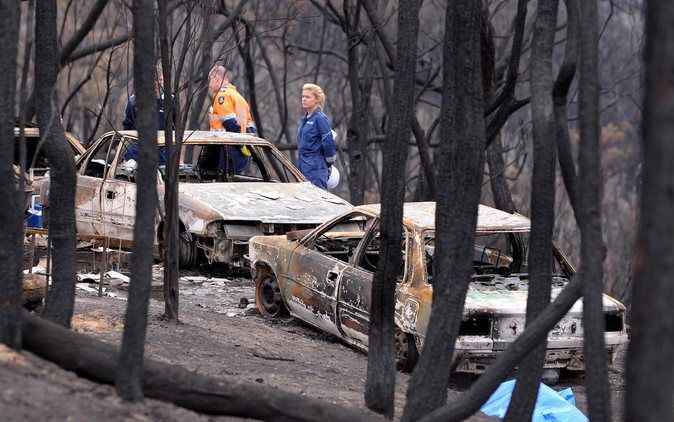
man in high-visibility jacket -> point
(230, 112)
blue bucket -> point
(34, 213)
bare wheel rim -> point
(402, 350)
(268, 295)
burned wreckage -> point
(224, 198)
(324, 277)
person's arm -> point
(250, 125)
(328, 146)
(129, 122)
(228, 115)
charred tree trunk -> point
(592, 249)
(356, 133)
(62, 231)
(460, 165)
(173, 146)
(560, 93)
(542, 205)
(650, 373)
(381, 368)
(98, 361)
(130, 369)
(11, 255)
(244, 48)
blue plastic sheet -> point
(551, 406)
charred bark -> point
(98, 361)
(560, 93)
(130, 369)
(173, 144)
(381, 370)
(11, 254)
(460, 168)
(592, 249)
(61, 296)
(542, 205)
(650, 374)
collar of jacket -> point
(225, 88)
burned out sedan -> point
(237, 186)
(324, 278)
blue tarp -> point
(551, 406)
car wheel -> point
(406, 351)
(187, 250)
(268, 294)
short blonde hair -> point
(318, 93)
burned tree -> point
(61, 296)
(650, 373)
(130, 368)
(592, 248)
(10, 212)
(459, 176)
(542, 205)
(381, 363)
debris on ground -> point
(551, 406)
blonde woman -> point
(315, 144)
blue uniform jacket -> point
(316, 148)
(129, 123)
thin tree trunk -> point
(380, 385)
(130, 369)
(61, 296)
(592, 249)
(560, 93)
(650, 373)
(460, 165)
(11, 258)
(171, 288)
(542, 205)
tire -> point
(187, 250)
(407, 354)
(268, 297)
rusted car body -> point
(219, 210)
(324, 278)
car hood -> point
(297, 203)
(499, 299)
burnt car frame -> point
(324, 278)
(218, 209)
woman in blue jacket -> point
(315, 144)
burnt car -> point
(324, 277)
(221, 204)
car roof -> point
(204, 137)
(33, 132)
(421, 216)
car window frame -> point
(355, 259)
(86, 158)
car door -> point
(119, 197)
(91, 174)
(355, 286)
(315, 269)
